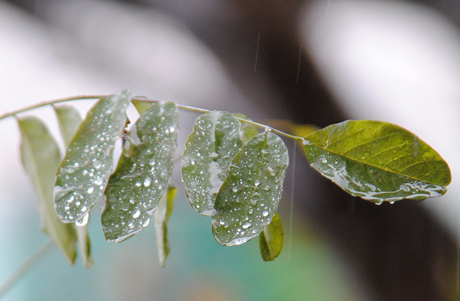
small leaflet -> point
(161, 216)
(40, 157)
(69, 120)
(271, 239)
(377, 161)
(249, 130)
(216, 139)
(249, 197)
(85, 170)
(142, 174)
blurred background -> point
(317, 62)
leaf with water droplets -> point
(85, 170)
(271, 239)
(69, 120)
(377, 161)
(142, 174)
(216, 139)
(249, 197)
(141, 106)
(249, 129)
(161, 216)
(41, 157)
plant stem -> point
(26, 267)
(183, 107)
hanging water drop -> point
(83, 220)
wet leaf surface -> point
(41, 157)
(161, 216)
(251, 192)
(85, 170)
(249, 130)
(377, 161)
(216, 139)
(142, 174)
(69, 120)
(271, 239)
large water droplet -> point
(147, 182)
(136, 213)
(83, 220)
(90, 189)
(265, 213)
(246, 225)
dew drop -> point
(235, 189)
(131, 200)
(379, 203)
(247, 225)
(392, 202)
(98, 181)
(146, 223)
(90, 189)
(138, 184)
(97, 164)
(83, 209)
(265, 213)
(136, 214)
(147, 182)
(82, 221)
(257, 183)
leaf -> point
(69, 120)
(271, 239)
(216, 139)
(377, 161)
(251, 192)
(142, 174)
(161, 215)
(41, 157)
(249, 129)
(141, 106)
(85, 170)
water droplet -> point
(83, 209)
(265, 213)
(379, 203)
(98, 181)
(146, 223)
(247, 225)
(192, 162)
(136, 214)
(222, 222)
(76, 164)
(251, 211)
(172, 129)
(147, 182)
(392, 202)
(70, 200)
(324, 160)
(235, 189)
(138, 184)
(131, 200)
(97, 164)
(82, 221)
(257, 183)
(90, 189)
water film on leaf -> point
(216, 139)
(249, 196)
(142, 174)
(377, 161)
(271, 239)
(69, 120)
(40, 157)
(161, 217)
(85, 170)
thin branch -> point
(26, 267)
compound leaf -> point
(377, 161)
(142, 174)
(85, 170)
(69, 120)
(249, 197)
(41, 157)
(161, 216)
(271, 239)
(216, 139)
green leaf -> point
(249, 129)
(377, 161)
(251, 192)
(85, 170)
(216, 139)
(41, 157)
(142, 174)
(161, 216)
(271, 239)
(141, 106)
(69, 120)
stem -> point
(183, 107)
(26, 267)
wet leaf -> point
(377, 161)
(271, 239)
(141, 106)
(41, 157)
(251, 192)
(142, 174)
(161, 216)
(85, 170)
(69, 120)
(216, 139)
(249, 130)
